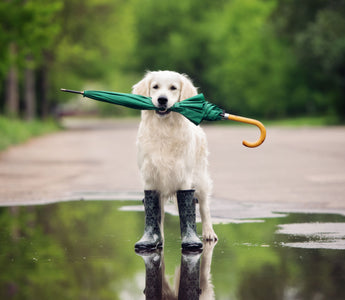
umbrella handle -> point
(252, 122)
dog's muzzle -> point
(162, 105)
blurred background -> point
(268, 59)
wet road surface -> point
(302, 168)
(279, 213)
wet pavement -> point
(85, 250)
(278, 210)
(300, 168)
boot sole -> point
(192, 247)
(146, 248)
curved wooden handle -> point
(252, 122)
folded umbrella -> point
(196, 108)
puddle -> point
(85, 250)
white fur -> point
(172, 151)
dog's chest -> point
(164, 147)
(165, 163)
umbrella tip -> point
(71, 91)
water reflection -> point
(192, 281)
(85, 250)
(153, 269)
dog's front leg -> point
(206, 286)
(208, 233)
(162, 203)
(152, 237)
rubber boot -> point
(153, 274)
(186, 207)
(152, 238)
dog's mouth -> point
(163, 112)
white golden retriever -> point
(172, 151)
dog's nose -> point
(162, 100)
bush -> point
(15, 131)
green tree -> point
(227, 47)
(315, 31)
(94, 50)
(249, 68)
(95, 39)
(47, 45)
(27, 29)
(175, 36)
(271, 58)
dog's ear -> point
(142, 87)
(188, 89)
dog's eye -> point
(155, 86)
(173, 88)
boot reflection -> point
(192, 280)
(153, 278)
(189, 288)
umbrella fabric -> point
(128, 100)
(196, 108)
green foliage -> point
(315, 31)
(15, 131)
(94, 44)
(232, 50)
(30, 26)
(251, 67)
(262, 58)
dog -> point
(172, 151)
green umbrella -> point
(128, 100)
(196, 108)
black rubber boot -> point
(153, 272)
(186, 207)
(152, 238)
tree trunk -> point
(12, 93)
(29, 91)
(43, 86)
(12, 86)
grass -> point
(304, 121)
(14, 131)
(295, 122)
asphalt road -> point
(296, 169)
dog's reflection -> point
(192, 279)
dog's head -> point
(165, 88)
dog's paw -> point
(208, 234)
(208, 247)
